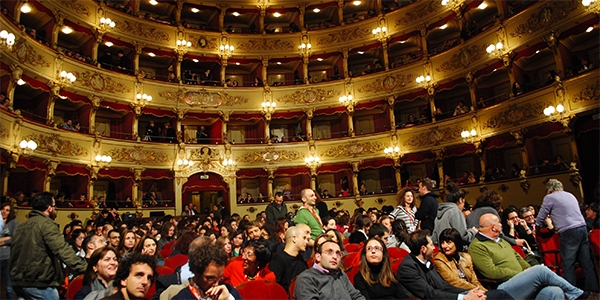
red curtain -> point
(387, 179)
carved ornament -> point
(545, 17)
(142, 30)
(308, 96)
(54, 145)
(271, 155)
(27, 54)
(203, 42)
(434, 136)
(353, 149)
(388, 83)
(100, 82)
(590, 92)
(4, 134)
(75, 6)
(424, 9)
(138, 155)
(344, 35)
(514, 115)
(266, 45)
(463, 58)
(204, 155)
(232, 100)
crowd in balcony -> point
(166, 134)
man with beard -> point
(38, 248)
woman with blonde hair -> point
(406, 209)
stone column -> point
(345, 54)
(309, 116)
(136, 58)
(137, 110)
(223, 69)
(351, 122)
(341, 11)
(552, 41)
(225, 118)
(423, 33)
(98, 35)
(270, 177)
(471, 82)
(386, 58)
(355, 171)
(95, 106)
(179, 4)
(265, 64)
(231, 181)
(439, 159)
(59, 18)
(305, 61)
(261, 19)
(391, 103)
(136, 198)
(50, 173)
(302, 11)
(222, 12)
(180, 180)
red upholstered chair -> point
(260, 289)
(292, 288)
(549, 250)
(519, 250)
(351, 272)
(595, 246)
(353, 247)
(165, 252)
(175, 261)
(168, 245)
(351, 259)
(164, 270)
(396, 264)
(74, 287)
(397, 253)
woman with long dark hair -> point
(126, 244)
(101, 270)
(237, 240)
(168, 232)
(376, 280)
(10, 225)
(147, 246)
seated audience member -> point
(167, 234)
(337, 237)
(224, 243)
(418, 276)
(126, 244)
(460, 109)
(495, 259)
(362, 225)
(411, 121)
(453, 265)
(255, 257)
(147, 246)
(591, 216)
(101, 270)
(379, 231)
(288, 263)
(207, 263)
(114, 238)
(516, 89)
(387, 222)
(376, 279)
(91, 243)
(68, 125)
(82, 202)
(401, 233)
(325, 280)
(517, 227)
(449, 215)
(135, 276)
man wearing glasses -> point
(325, 280)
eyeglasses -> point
(330, 252)
(375, 248)
(527, 217)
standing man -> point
(276, 209)
(325, 280)
(288, 263)
(38, 248)
(429, 205)
(570, 224)
(135, 276)
(308, 214)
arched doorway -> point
(205, 190)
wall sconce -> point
(66, 78)
(226, 51)
(267, 108)
(304, 49)
(380, 33)
(394, 154)
(143, 97)
(312, 161)
(185, 162)
(469, 137)
(554, 114)
(106, 24)
(185, 44)
(25, 8)
(495, 50)
(7, 39)
(346, 99)
(229, 164)
(423, 80)
(102, 161)
(27, 146)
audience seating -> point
(261, 289)
(168, 245)
(549, 250)
(74, 287)
(397, 253)
(595, 246)
(351, 272)
(292, 287)
(165, 252)
(351, 259)
(353, 247)
(164, 270)
(519, 250)
(175, 261)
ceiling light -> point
(589, 29)
(195, 10)
(483, 5)
(444, 26)
(357, 3)
(537, 51)
(153, 2)
(586, 3)
(67, 30)
(444, 2)
(21, 82)
(278, 62)
(495, 70)
(195, 60)
(236, 14)
(276, 15)
(26, 8)
(319, 59)
(151, 54)
(237, 63)
(108, 44)
(316, 10)
(361, 53)
(402, 42)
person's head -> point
(405, 197)
(363, 222)
(253, 230)
(591, 212)
(420, 244)
(336, 236)
(387, 222)
(278, 198)
(297, 238)
(78, 235)
(135, 275)
(256, 256)
(120, 53)
(224, 243)
(237, 238)
(168, 231)
(450, 242)
(455, 195)
(225, 230)
(379, 231)
(182, 244)
(425, 186)
(489, 198)
(375, 254)
(329, 223)
(92, 242)
(328, 255)
(147, 246)
(127, 242)
(45, 203)
(102, 264)
(309, 198)
(8, 213)
(114, 238)
(489, 225)
(553, 185)
(207, 262)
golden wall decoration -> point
(205, 153)
(270, 155)
(27, 54)
(514, 115)
(308, 96)
(54, 145)
(590, 92)
(434, 136)
(545, 17)
(387, 84)
(266, 45)
(4, 133)
(344, 35)
(174, 96)
(423, 9)
(463, 58)
(353, 149)
(231, 100)
(142, 30)
(75, 6)
(203, 42)
(100, 82)
(138, 155)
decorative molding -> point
(271, 155)
(266, 45)
(204, 42)
(344, 35)
(590, 92)
(388, 83)
(142, 30)
(353, 149)
(27, 54)
(99, 82)
(514, 115)
(551, 13)
(424, 9)
(55, 145)
(4, 133)
(434, 136)
(138, 155)
(463, 58)
(205, 155)
(232, 100)
(308, 96)
(75, 6)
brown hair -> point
(386, 275)
(400, 197)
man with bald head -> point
(309, 214)
(495, 259)
(288, 263)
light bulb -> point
(26, 8)
(23, 144)
(560, 108)
(3, 34)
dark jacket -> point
(427, 211)
(378, 291)
(424, 282)
(186, 294)
(273, 213)
(165, 281)
(38, 248)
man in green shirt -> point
(308, 214)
